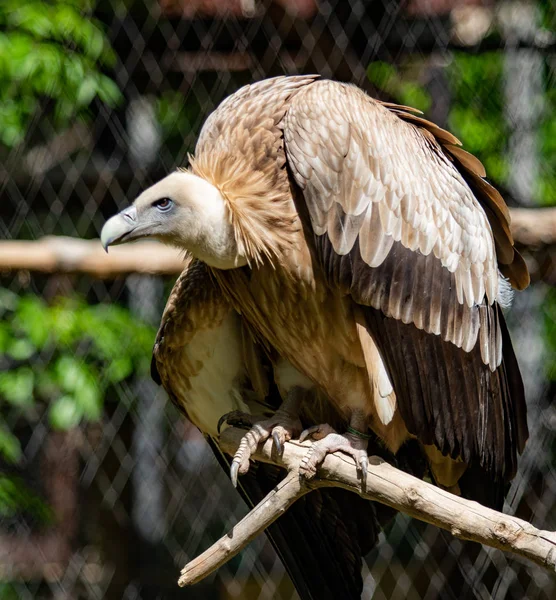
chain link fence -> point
(111, 501)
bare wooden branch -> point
(57, 254)
(264, 514)
(464, 519)
(532, 228)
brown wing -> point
(205, 361)
(398, 227)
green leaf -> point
(108, 91)
(381, 74)
(17, 386)
(8, 591)
(21, 349)
(48, 48)
(74, 70)
(70, 372)
(76, 378)
(119, 369)
(32, 17)
(89, 399)
(64, 323)
(116, 343)
(32, 319)
(65, 413)
(95, 43)
(6, 338)
(87, 91)
(414, 95)
(10, 448)
(46, 385)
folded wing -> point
(404, 222)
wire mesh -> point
(134, 494)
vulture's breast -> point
(308, 324)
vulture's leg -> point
(354, 443)
(283, 426)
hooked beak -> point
(119, 228)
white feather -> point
(215, 390)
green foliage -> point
(177, 117)
(549, 308)
(386, 78)
(66, 356)
(546, 190)
(15, 497)
(50, 50)
(548, 14)
(477, 113)
(10, 448)
(8, 592)
(61, 358)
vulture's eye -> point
(163, 204)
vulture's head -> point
(182, 210)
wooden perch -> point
(533, 229)
(264, 514)
(464, 519)
(58, 254)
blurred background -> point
(105, 492)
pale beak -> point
(119, 228)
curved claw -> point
(364, 465)
(277, 442)
(223, 419)
(234, 469)
(308, 433)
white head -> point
(182, 210)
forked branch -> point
(465, 519)
(264, 514)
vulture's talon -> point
(307, 433)
(329, 441)
(221, 421)
(282, 427)
(234, 468)
(364, 465)
(277, 441)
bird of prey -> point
(209, 364)
(366, 253)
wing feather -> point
(424, 252)
(411, 194)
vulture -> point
(350, 256)
(210, 365)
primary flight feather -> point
(362, 246)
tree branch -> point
(533, 229)
(264, 514)
(58, 254)
(465, 519)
